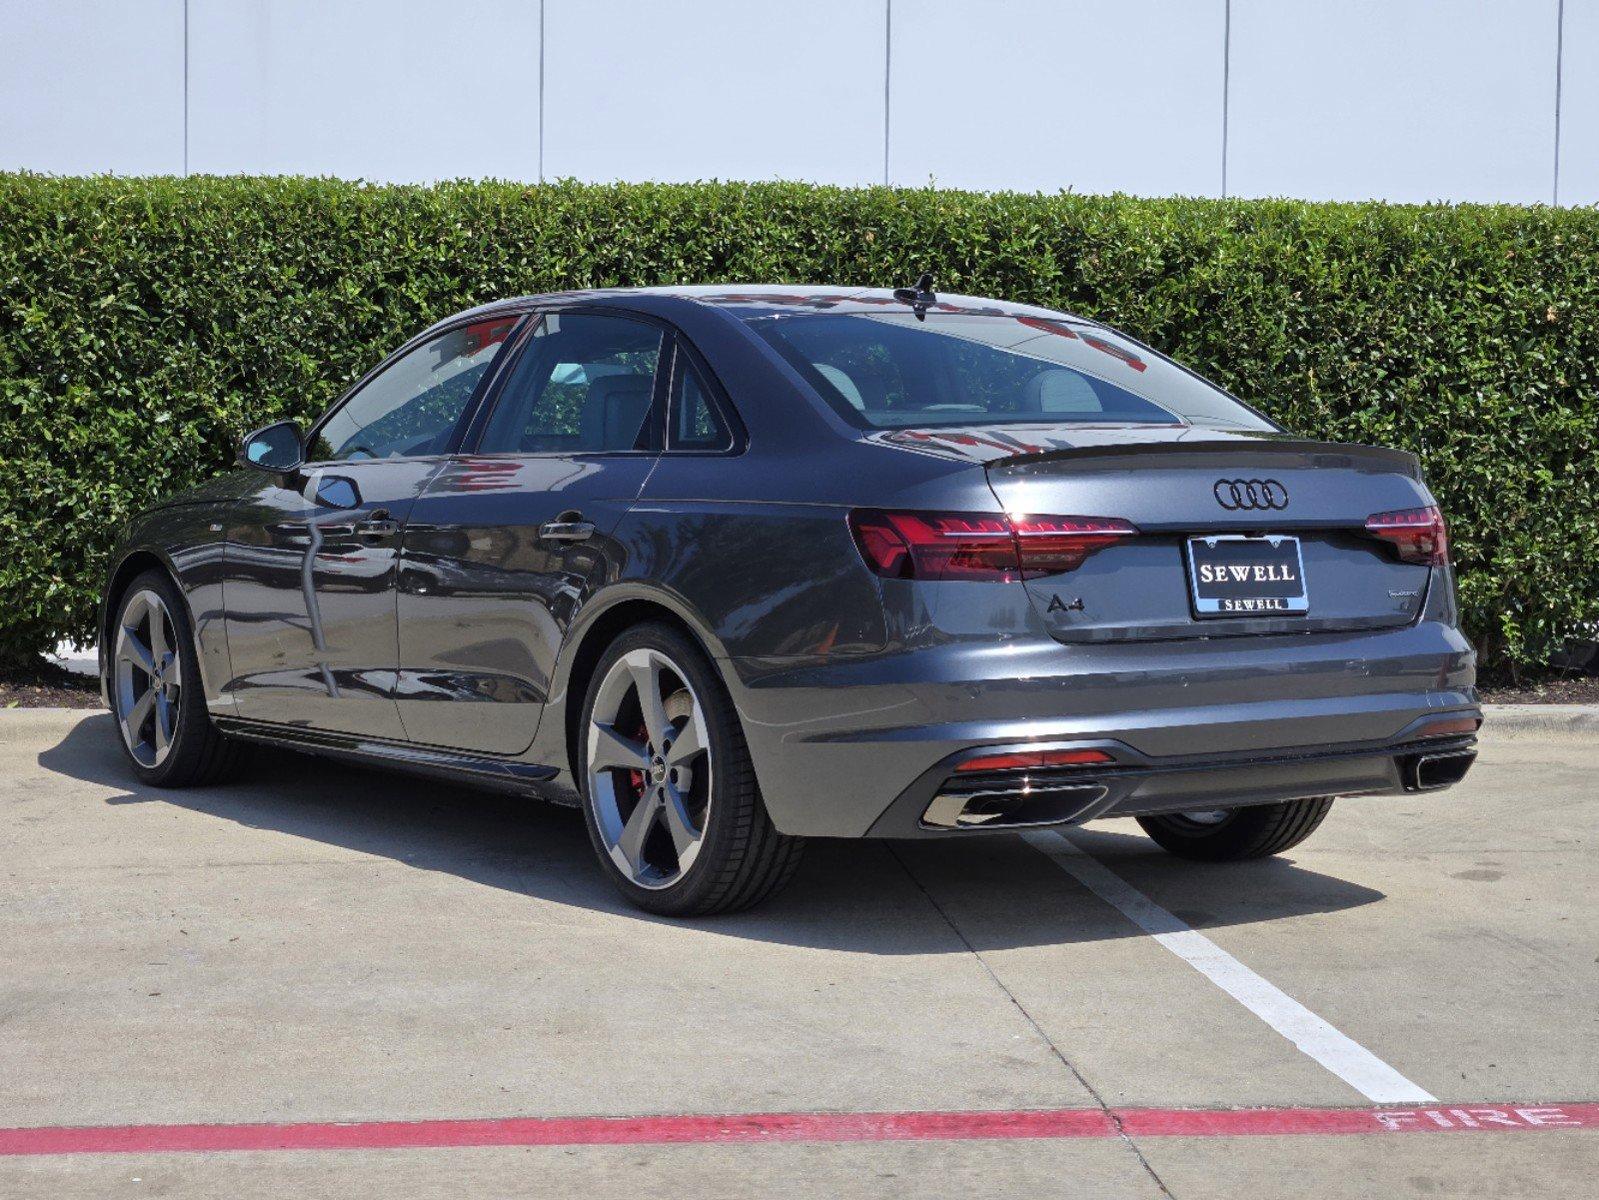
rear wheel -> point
(1231, 834)
(669, 793)
(156, 697)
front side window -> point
(582, 384)
(890, 370)
(411, 409)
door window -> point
(582, 384)
(411, 409)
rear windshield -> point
(889, 370)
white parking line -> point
(1344, 1057)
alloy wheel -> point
(649, 768)
(148, 678)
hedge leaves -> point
(145, 324)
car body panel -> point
(311, 598)
(1173, 491)
(826, 737)
(770, 579)
(484, 601)
(183, 538)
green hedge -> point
(144, 324)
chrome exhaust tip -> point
(1013, 808)
(1429, 772)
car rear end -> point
(1206, 649)
(1115, 614)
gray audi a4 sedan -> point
(732, 567)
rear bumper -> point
(838, 745)
(945, 804)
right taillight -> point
(1418, 534)
(1450, 727)
(979, 546)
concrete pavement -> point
(318, 943)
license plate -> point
(1235, 576)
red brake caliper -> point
(635, 779)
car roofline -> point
(775, 297)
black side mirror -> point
(276, 448)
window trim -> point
(468, 413)
(653, 426)
(715, 395)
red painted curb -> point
(794, 1127)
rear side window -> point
(696, 424)
(889, 370)
(581, 384)
(412, 407)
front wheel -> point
(669, 792)
(1232, 834)
(156, 697)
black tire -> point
(199, 753)
(743, 858)
(1257, 831)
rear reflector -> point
(979, 546)
(1417, 533)
(1033, 759)
(1450, 728)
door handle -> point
(566, 531)
(377, 525)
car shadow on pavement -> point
(864, 896)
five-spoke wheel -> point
(649, 773)
(669, 791)
(153, 679)
(147, 676)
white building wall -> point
(714, 89)
(1347, 99)
(91, 86)
(375, 89)
(1579, 105)
(1407, 100)
(1037, 95)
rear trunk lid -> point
(1237, 534)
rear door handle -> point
(378, 525)
(566, 531)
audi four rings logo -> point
(1235, 494)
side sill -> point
(521, 778)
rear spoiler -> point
(1345, 455)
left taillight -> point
(979, 546)
(1418, 534)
